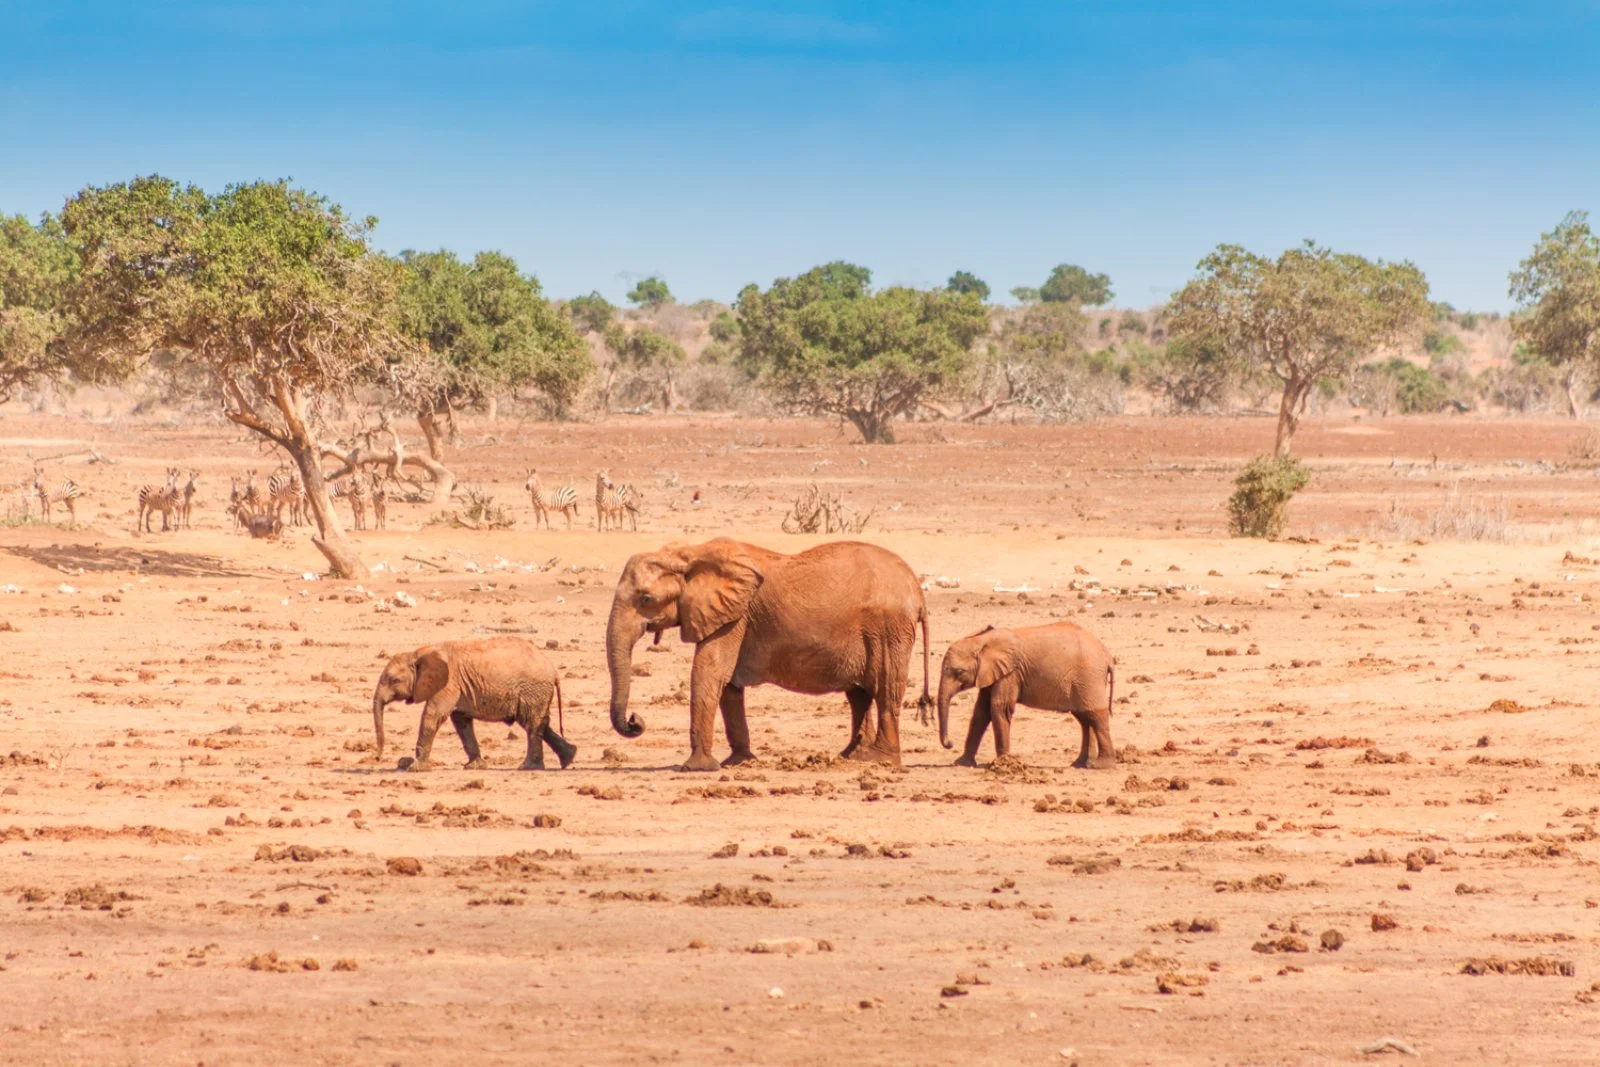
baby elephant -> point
(1057, 667)
(500, 679)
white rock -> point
(308, 576)
(787, 945)
(66, 589)
(404, 600)
(775, 993)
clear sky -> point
(719, 144)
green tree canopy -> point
(651, 292)
(1310, 314)
(36, 267)
(826, 344)
(592, 313)
(272, 291)
(1070, 284)
(1557, 289)
(966, 282)
(1023, 294)
(487, 327)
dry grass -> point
(1458, 518)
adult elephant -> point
(840, 617)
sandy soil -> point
(1358, 731)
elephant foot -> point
(414, 765)
(529, 765)
(873, 754)
(701, 761)
(1102, 763)
(739, 757)
(965, 760)
(567, 757)
(474, 764)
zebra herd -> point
(175, 504)
(262, 510)
(612, 502)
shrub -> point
(1438, 343)
(1259, 506)
(724, 328)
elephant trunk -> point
(622, 633)
(948, 688)
(378, 704)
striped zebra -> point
(380, 501)
(65, 492)
(354, 489)
(613, 501)
(163, 498)
(564, 500)
(186, 503)
(284, 491)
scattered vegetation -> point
(1259, 506)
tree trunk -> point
(876, 426)
(492, 407)
(444, 480)
(1569, 381)
(605, 390)
(330, 540)
(1290, 407)
(669, 394)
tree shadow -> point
(129, 560)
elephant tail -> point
(561, 715)
(1111, 689)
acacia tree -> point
(1558, 291)
(651, 293)
(271, 291)
(479, 328)
(649, 352)
(1071, 284)
(36, 267)
(1310, 314)
(963, 281)
(591, 314)
(824, 343)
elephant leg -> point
(565, 750)
(975, 730)
(889, 689)
(433, 716)
(469, 738)
(735, 726)
(1086, 742)
(714, 661)
(1100, 723)
(861, 732)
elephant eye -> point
(646, 598)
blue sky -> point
(719, 144)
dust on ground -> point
(1359, 797)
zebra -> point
(186, 505)
(608, 505)
(380, 501)
(284, 491)
(354, 489)
(564, 500)
(631, 499)
(65, 492)
(162, 498)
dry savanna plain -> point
(1358, 799)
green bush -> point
(1259, 506)
(724, 328)
(1442, 344)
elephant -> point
(840, 617)
(1057, 667)
(500, 679)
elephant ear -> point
(718, 585)
(997, 658)
(433, 671)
